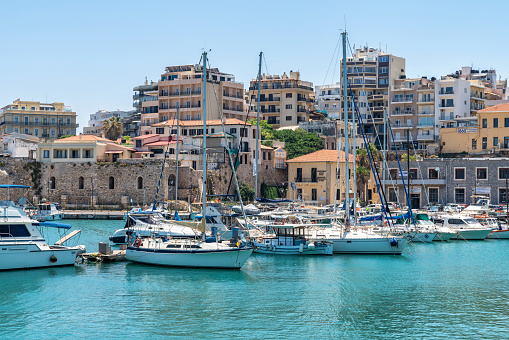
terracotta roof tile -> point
(321, 156)
(504, 107)
(83, 138)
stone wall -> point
(60, 182)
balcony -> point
(476, 106)
(445, 93)
(376, 97)
(478, 96)
(293, 86)
(306, 180)
(402, 88)
(425, 113)
(273, 99)
(402, 113)
(231, 95)
(398, 100)
(425, 100)
(55, 124)
(426, 137)
(425, 125)
(402, 126)
(446, 105)
(270, 111)
(399, 138)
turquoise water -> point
(455, 290)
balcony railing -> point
(401, 126)
(426, 100)
(425, 113)
(403, 113)
(10, 122)
(425, 125)
(254, 88)
(274, 99)
(425, 137)
(442, 93)
(402, 99)
(447, 105)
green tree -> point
(362, 176)
(127, 138)
(112, 128)
(246, 192)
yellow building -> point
(46, 121)
(314, 176)
(182, 86)
(284, 100)
(489, 133)
(82, 148)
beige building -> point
(46, 121)
(182, 86)
(82, 149)
(284, 100)
(490, 134)
(314, 176)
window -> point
(433, 195)
(269, 155)
(288, 95)
(26, 132)
(46, 154)
(384, 59)
(53, 120)
(288, 106)
(140, 183)
(288, 117)
(26, 120)
(68, 121)
(393, 197)
(75, 153)
(506, 142)
(314, 177)
(503, 173)
(87, 154)
(36, 132)
(432, 174)
(233, 130)
(474, 144)
(112, 183)
(36, 120)
(459, 173)
(495, 141)
(160, 131)
(52, 183)
(484, 123)
(506, 122)
(52, 132)
(412, 174)
(14, 230)
(393, 174)
(502, 196)
(383, 81)
(81, 183)
(482, 173)
(16, 119)
(459, 195)
(384, 70)
(299, 175)
(313, 194)
(495, 122)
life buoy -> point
(137, 243)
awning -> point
(115, 151)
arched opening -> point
(112, 183)
(171, 185)
(81, 183)
(52, 183)
(140, 183)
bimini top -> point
(13, 186)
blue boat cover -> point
(55, 225)
(177, 217)
(13, 186)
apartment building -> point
(181, 86)
(284, 100)
(48, 121)
(328, 99)
(370, 75)
(96, 119)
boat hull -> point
(320, 249)
(370, 246)
(476, 234)
(226, 259)
(499, 234)
(24, 256)
(445, 236)
(423, 237)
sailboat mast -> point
(255, 167)
(345, 117)
(204, 187)
(354, 167)
(337, 177)
(177, 157)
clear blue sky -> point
(90, 54)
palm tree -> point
(112, 128)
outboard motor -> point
(394, 242)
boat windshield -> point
(470, 221)
(424, 222)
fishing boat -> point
(191, 252)
(22, 244)
(292, 239)
(48, 212)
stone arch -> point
(140, 183)
(81, 183)
(112, 183)
(52, 183)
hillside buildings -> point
(43, 120)
(284, 100)
(96, 119)
(328, 99)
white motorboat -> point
(500, 232)
(292, 239)
(466, 227)
(48, 212)
(23, 246)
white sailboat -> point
(194, 253)
(349, 239)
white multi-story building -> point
(328, 98)
(96, 119)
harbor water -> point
(453, 290)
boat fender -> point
(301, 248)
(394, 242)
(311, 245)
(53, 259)
(137, 243)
